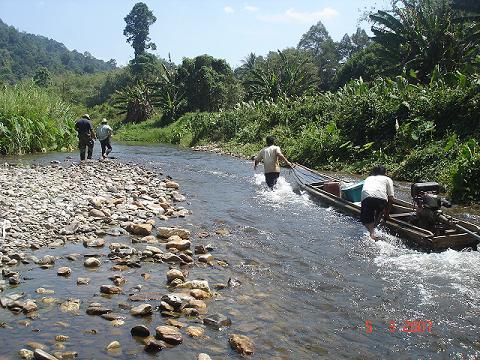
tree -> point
(422, 34)
(138, 22)
(136, 102)
(42, 77)
(171, 97)
(318, 42)
(287, 73)
(208, 84)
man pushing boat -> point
(270, 155)
(377, 199)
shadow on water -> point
(311, 277)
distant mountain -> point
(21, 54)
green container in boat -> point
(353, 192)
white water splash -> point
(281, 194)
(430, 275)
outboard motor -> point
(428, 204)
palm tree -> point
(421, 34)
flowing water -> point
(311, 278)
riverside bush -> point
(390, 121)
(33, 119)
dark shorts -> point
(371, 207)
(271, 179)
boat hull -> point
(398, 223)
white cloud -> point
(228, 10)
(304, 17)
(251, 8)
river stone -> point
(206, 258)
(200, 250)
(92, 262)
(140, 331)
(199, 294)
(241, 344)
(195, 331)
(64, 271)
(36, 345)
(204, 356)
(96, 213)
(14, 280)
(142, 310)
(172, 185)
(180, 245)
(97, 309)
(175, 323)
(153, 346)
(146, 296)
(83, 281)
(42, 355)
(66, 355)
(154, 250)
(166, 232)
(169, 334)
(26, 354)
(175, 274)
(217, 321)
(62, 338)
(169, 257)
(195, 284)
(140, 229)
(172, 300)
(47, 260)
(95, 243)
(113, 345)
(113, 317)
(30, 306)
(222, 231)
(166, 307)
(70, 305)
(196, 304)
(110, 289)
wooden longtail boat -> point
(406, 221)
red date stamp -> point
(406, 326)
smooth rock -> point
(153, 346)
(94, 243)
(142, 310)
(113, 345)
(140, 331)
(241, 344)
(92, 262)
(217, 321)
(199, 294)
(42, 355)
(195, 284)
(195, 331)
(169, 334)
(83, 281)
(64, 271)
(204, 356)
(180, 245)
(70, 305)
(166, 232)
(175, 274)
(110, 289)
(206, 258)
(26, 354)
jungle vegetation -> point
(407, 97)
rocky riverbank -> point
(117, 219)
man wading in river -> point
(377, 199)
(104, 134)
(270, 156)
(86, 135)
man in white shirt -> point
(270, 155)
(104, 133)
(377, 199)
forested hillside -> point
(23, 54)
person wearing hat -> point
(104, 134)
(86, 135)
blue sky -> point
(228, 29)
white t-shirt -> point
(269, 155)
(378, 186)
(104, 131)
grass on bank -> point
(33, 119)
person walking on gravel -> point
(86, 136)
(104, 134)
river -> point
(311, 278)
